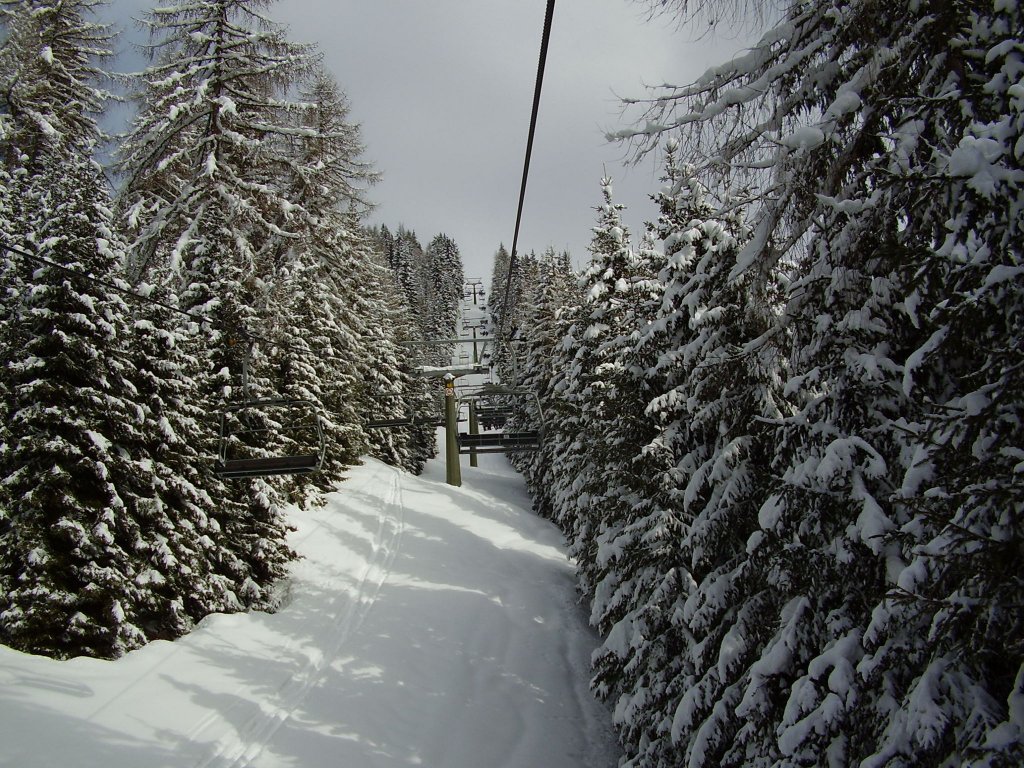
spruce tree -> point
(52, 76)
(9, 279)
(443, 275)
(186, 564)
(612, 482)
(718, 390)
(406, 262)
(69, 553)
(68, 562)
(880, 148)
(945, 647)
(554, 306)
(389, 389)
(316, 314)
(499, 277)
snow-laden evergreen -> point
(499, 279)
(550, 311)
(52, 64)
(206, 198)
(201, 193)
(69, 579)
(314, 317)
(389, 390)
(430, 280)
(443, 281)
(707, 465)
(68, 545)
(404, 256)
(9, 267)
(185, 561)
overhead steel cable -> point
(545, 37)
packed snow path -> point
(425, 625)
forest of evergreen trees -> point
(784, 429)
(234, 234)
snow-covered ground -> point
(424, 625)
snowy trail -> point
(426, 625)
(347, 612)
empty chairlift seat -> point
(392, 411)
(490, 416)
(269, 436)
(499, 442)
(495, 406)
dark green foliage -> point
(67, 559)
(183, 553)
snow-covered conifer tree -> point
(880, 144)
(406, 261)
(52, 70)
(555, 297)
(10, 280)
(945, 647)
(715, 397)
(51, 94)
(443, 275)
(499, 277)
(611, 480)
(318, 316)
(389, 391)
(512, 280)
(186, 565)
(204, 195)
(67, 557)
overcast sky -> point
(443, 90)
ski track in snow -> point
(248, 743)
(425, 626)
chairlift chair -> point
(499, 404)
(491, 416)
(245, 425)
(404, 418)
(404, 421)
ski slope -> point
(425, 625)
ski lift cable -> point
(127, 292)
(545, 37)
